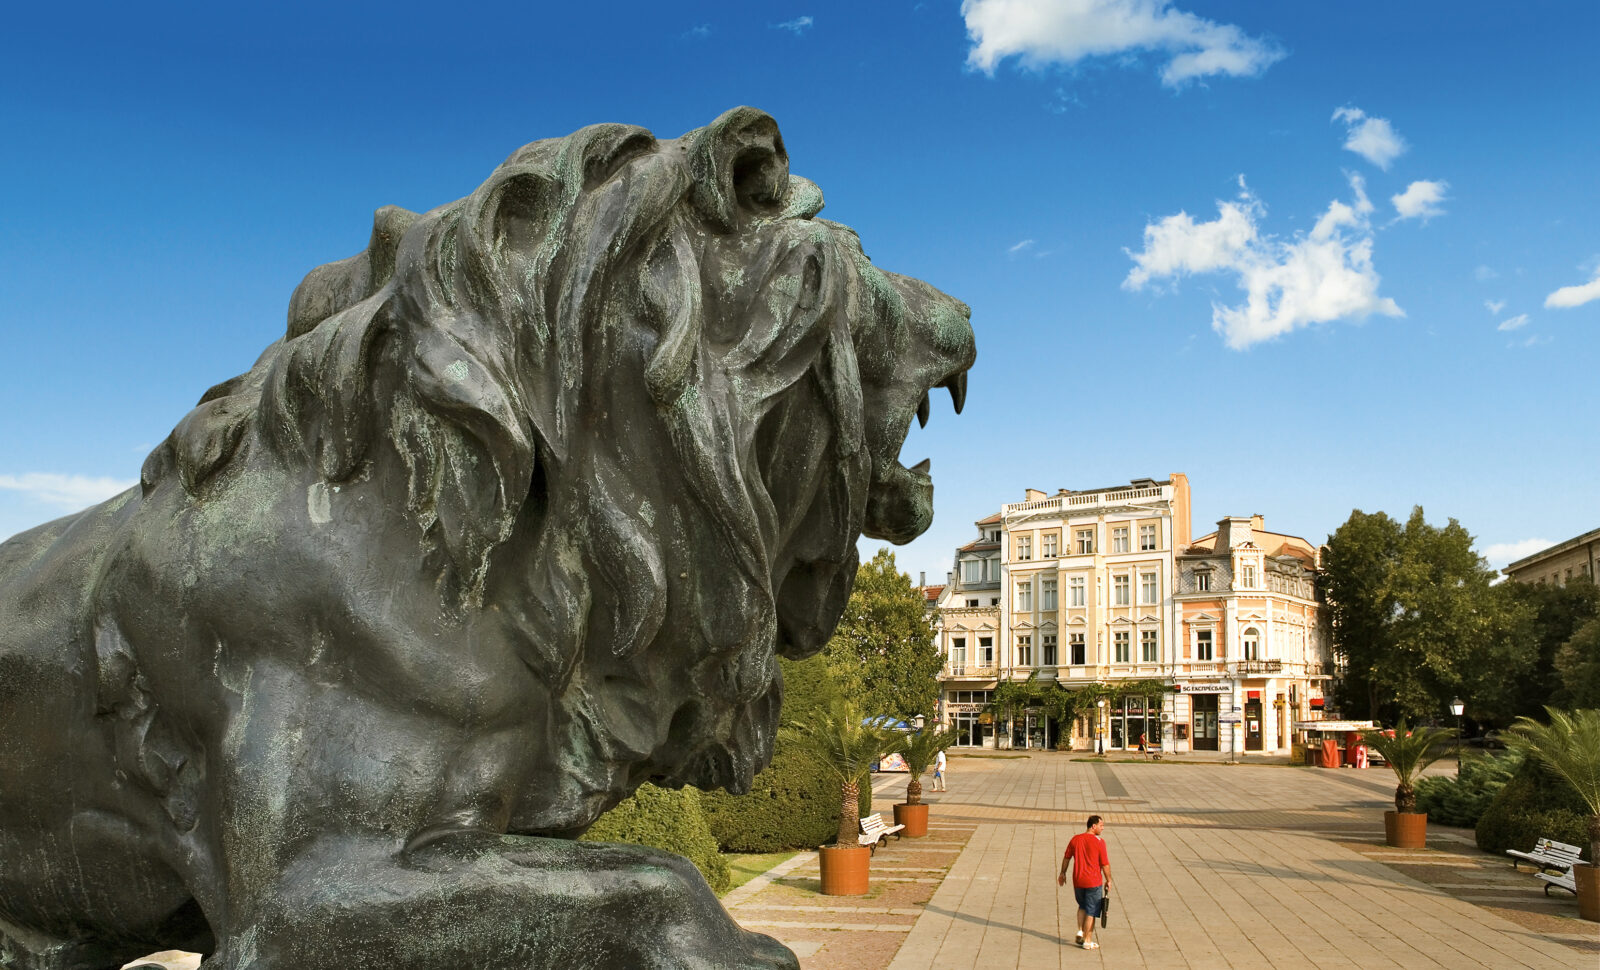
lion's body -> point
(514, 518)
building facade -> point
(1577, 558)
(1105, 585)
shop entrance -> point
(1205, 722)
(1252, 725)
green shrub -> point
(1461, 802)
(1534, 804)
(670, 820)
(794, 803)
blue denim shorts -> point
(1089, 900)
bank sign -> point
(1205, 688)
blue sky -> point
(1317, 256)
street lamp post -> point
(1099, 742)
(1458, 707)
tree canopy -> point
(1418, 619)
(1415, 619)
(883, 656)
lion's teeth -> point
(958, 390)
(922, 410)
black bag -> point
(1105, 909)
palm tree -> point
(919, 751)
(1408, 751)
(1570, 746)
(846, 746)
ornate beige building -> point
(1104, 584)
(1577, 558)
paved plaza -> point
(1213, 865)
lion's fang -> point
(922, 411)
(958, 390)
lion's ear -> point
(738, 163)
(333, 287)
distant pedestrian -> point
(938, 772)
(1091, 877)
(1144, 747)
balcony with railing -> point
(1066, 504)
(970, 671)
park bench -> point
(1565, 880)
(1548, 854)
(875, 831)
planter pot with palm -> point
(1407, 750)
(845, 746)
(1570, 746)
(920, 750)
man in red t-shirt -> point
(1091, 877)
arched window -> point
(1252, 643)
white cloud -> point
(70, 492)
(697, 32)
(1420, 200)
(1485, 274)
(1065, 32)
(1374, 139)
(1571, 296)
(1315, 277)
(1494, 306)
(1514, 323)
(1019, 247)
(1502, 554)
(797, 26)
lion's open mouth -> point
(900, 502)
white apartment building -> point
(1101, 585)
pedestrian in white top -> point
(938, 773)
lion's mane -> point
(470, 348)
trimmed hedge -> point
(794, 803)
(1449, 801)
(664, 819)
(1534, 804)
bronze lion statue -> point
(514, 518)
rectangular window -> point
(1148, 594)
(1119, 642)
(1025, 651)
(1048, 544)
(1075, 645)
(1202, 581)
(972, 602)
(972, 571)
(1147, 538)
(1024, 548)
(1085, 541)
(1047, 595)
(1051, 655)
(1075, 588)
(1119, 539)
(1025, 597)
(1248, 580)
(1120, 586)
(986, 651)
(1202, 645)
(958, 653)
(1147, 646)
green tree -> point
(1355, 576)
(1554, 615)
(1577, 665)
(1416, 621)
(883, 655)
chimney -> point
(922, 579)
(1258, 524)
(1034, 495)
(1232, 531)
